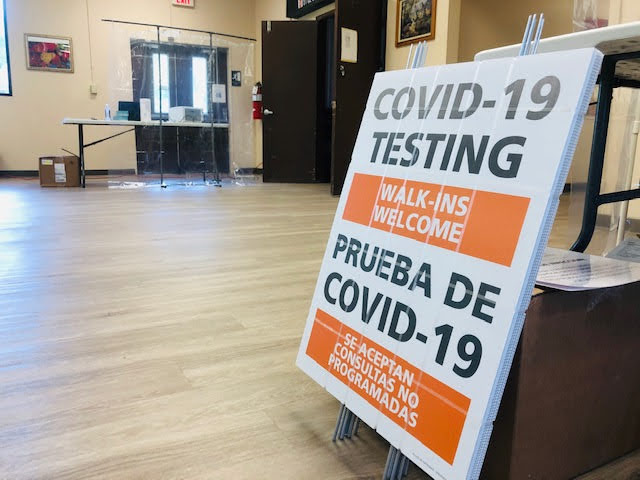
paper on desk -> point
(628, 250)
(574, 271)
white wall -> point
(486, 24)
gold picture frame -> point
(415, 21)
(48, 53)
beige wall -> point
(442, 49)
(31, 118)
(488, 24)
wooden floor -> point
(152, 334)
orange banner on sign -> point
(481, 224)
(431, 411)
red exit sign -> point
(185, 3)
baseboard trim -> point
(19, 173)
(249, 171)
(113, 171)
(604, 220)
(35, 173)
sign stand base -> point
(397, 466)
(347, 425)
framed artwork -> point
(300, 8)
(52, 54)
(416, 21)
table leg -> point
(180, 170)
(81, 150)
(598, 147)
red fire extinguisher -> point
(257, 101)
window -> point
(182, 75)
(5, 73)
(199, 80)
(164, 61)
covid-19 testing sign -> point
(444, 216)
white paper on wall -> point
(349, 44)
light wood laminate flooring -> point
(152, 334)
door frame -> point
(336, 182)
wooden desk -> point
(572, 400)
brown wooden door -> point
(353, 80)
(289, 77)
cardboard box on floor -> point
(59, 171)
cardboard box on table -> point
(59, 171)
(572, 401)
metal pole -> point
(216, 174)
(336, 432)
(126, 22)
(624, 208)
(160, 100)
(81, 148)
(603, 110)
(180, 169)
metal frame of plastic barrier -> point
(162, 122)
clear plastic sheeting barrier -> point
(193, 122)
(127, 185)
(589, 14)
(246, 176)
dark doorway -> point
(313, 102)
(353, 80)
(290, 90)
(326, 95)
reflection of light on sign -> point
(450, 195)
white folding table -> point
(620, 45)
(81, 122)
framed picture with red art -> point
(49, 53)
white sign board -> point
(445, 213)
